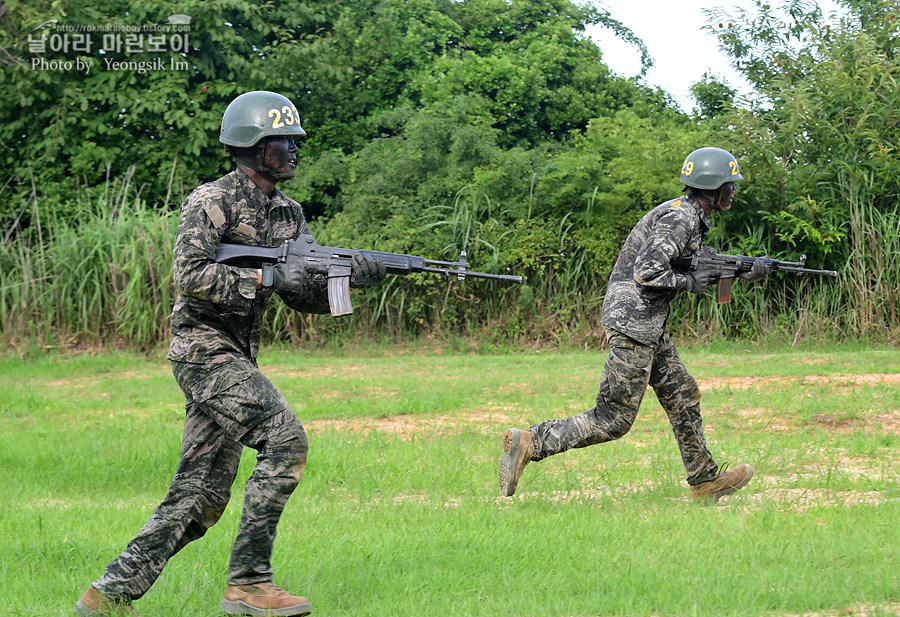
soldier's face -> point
(280, 157)
(726, 196)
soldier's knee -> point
(283, 434)
(294, 451)
(216, 500)
(695, 394)
(620, 428)
(297, 443)
(211, 516)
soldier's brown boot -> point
(518, 448)
(263, 599)
(95, 604)
(725, 483)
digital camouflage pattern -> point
(635, 314)
(229, 402)
(219, 311)
(642, 283)
(630, 368)
(229, 405)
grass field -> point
(399, 512)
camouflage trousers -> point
(630, 368)
(228, 406)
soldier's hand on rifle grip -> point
(761, 268)
(698, 280)
(366, 271)
(288, 276)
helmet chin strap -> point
(711, 201)
(278, 175)
(702, 195)
(718, 198)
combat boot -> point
(518, 448)
(263, 599)
(95, 604)
(723, 484)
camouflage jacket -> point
(642, 283)
(219, 311)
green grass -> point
(399, 512)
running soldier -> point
(635, 315)
(216, 324)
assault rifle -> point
(727, 266)
(334, 263)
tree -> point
(819, 141)
(348, 66)
(433, 126)
(65, 130)
(713, 97)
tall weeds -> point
(103, 277)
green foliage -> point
(539, 79)
(713, 97)
(69, 129)
(440, 126)
(818, 146)
(105, 279)
(556, 214)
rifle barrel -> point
(506, 278)
(806, 271)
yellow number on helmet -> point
(734, 168)
(688, 168)
(277, 123)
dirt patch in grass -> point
(485, 421)
(771, 419)
(857, 610)
(745, 383)
(887, 422)
(498, 418)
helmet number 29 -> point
(276, 114)
(688, 168)
(734, 167)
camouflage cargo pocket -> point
(235, 393)
(627, 372)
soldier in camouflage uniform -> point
(229, 403)
(635, 315)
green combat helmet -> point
(255, 115)
(710, 168)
